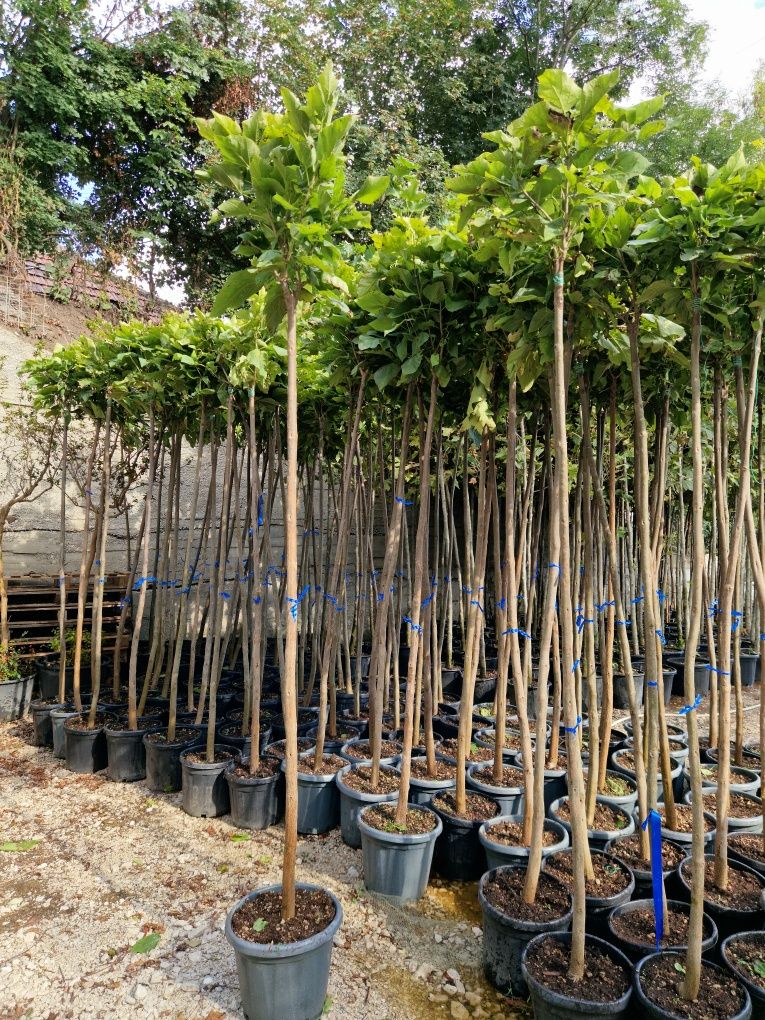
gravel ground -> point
(115, 862)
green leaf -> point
(679, 968)
(235, 291)
(385, 375)
(593, 92)
(18, 847)
(559, 91)
(372, 189)
(260, 925)
(240, 837)
(147, 943)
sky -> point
(737, 40)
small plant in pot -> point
(744, 954)
(16, 680)
(282, 936)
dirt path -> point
(114, 863)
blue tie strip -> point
(413, 625)
(638, 599)
(690, 708)
(404, 502)
(660, 636)
(573, 729)
(554, 566)
(623, 623)
(142, 581)
(475, 602)
(516, 630)
(653, 824)
(714, 669)
(502, 604)
(295, 602)
(652, 683)
(661, 596)
(260, 510)
(576, 665)
(604, 605)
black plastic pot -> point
(84, 750)
(741, 858)
(163, 763)
(352, 803)
(510, 798)
(649, 1008)
(643, 877)
(204, 786)
(621, 697)
(58, 717)
(599, 907)
(256, 803)
(284, 981)
(41, 719)
(333, 745)
(505, 938)
(126, 754)
(749, 663)
(422, 791)
(549, 1004)
(318, 803)
(635, 950)
(459, 855)
(47, 678)
(756, 993)
(499, 854)
(15, 697)
(728, 921)
(397, 864)
(598, 838)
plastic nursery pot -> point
(486, 738)
(422, 789)
(256, 802)
(505, 937)
(621, 697)
(41, 711)
(163, 760)
(509, 798)
(397, 864)
(58, 717)
(738, 823)
(683, 839)
(597, 838)
(741, 780)
(729, 920)
(126, 755)
(599, 907)
(392, 759)
(318, 802)
(204, 786)
(15, 697)
(459, 855)
(84, 749)
(626, 801)
(738, 851)
(47, 678)
(353, 802)
(556, 783)
(642, 875)
(749, 663)
(287, 981)
(635, 950)
(499, 854)
(333, 745)
(645, 1005)
(756, 992)
(549, 1004)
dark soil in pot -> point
(608, 821)
(605, 990)
(744, 953)
(658, 983)
(477, 753)
(748, 848)
(739, 907)
(744, 811)
(627, 850)
(204, 786)
(742, 780)
(502, 839)
(611, 886)
(459, 855)
(750, 758)
(507, 792)
(361, 751)
(509, 924)
(257, 799)
(277, 749)
(683, 831)
(633, 928)
(423, 786)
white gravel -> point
(115, 862)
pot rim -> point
(746, 1011)
(401, 838)
(281, 951)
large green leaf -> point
(235, 291)
(372, 189)
(559, 91)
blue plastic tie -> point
(502, 604)
(573, 729)
(516, 630)
(661, 596)
(555, 566)
(295, 602)
(475, 602)
(713, 669)
(652, 683)
(260, 510)
(413, 625)
(653, 824)
(690, 708)
(660, 636)
(623, 623)
(404, 502)
(576, 665)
